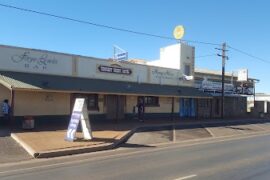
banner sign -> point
(119, 53)
(121, 56)
(216, 86)
(116, 70)
(243, 75)
(238, 87)
(79, 114)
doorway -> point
(115, 106)
(187, 107)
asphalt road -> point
(10, 151)
(245, 157)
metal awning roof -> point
(41, 82)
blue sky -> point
(242, 24)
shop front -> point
(50, 98)
(45, 84)
(187, 108)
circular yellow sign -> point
(178, 32)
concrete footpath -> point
(49, 141)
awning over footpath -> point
(41, 82)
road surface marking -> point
(186, 177)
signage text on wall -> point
(115, 70)
(231, 88)
(30, 61)
(162, 74)
(216, 86)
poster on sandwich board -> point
(79, 115)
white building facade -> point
(44, 84)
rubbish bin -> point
(28, 122)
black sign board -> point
(116, 70)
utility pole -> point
(254, 98)
(224, 58)
(254, 92)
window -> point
(92, 101)
(203, 103)
(149, 100)
(187, 70)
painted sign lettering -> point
(162, 74)
(115, 70)
(29, 61)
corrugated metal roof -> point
(17, 83)
(62, 83)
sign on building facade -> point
(115, 70)
(34, 61)
(229, 88)
(119, 54)
(216, 86)
(242, 75)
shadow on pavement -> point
(130, 145)
(106, 140)
(4, 131)
(237, 128)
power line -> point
(248, 54)
(127, 30)
(102, 25)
